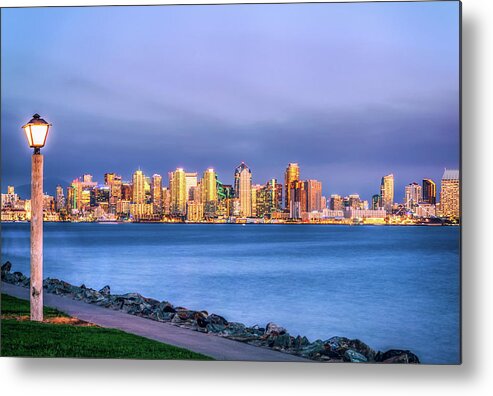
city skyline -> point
(348, 105)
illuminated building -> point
(209, 193)
(450, 194)
(195, 211)
(425, 210)
(114, 182)
(256, 197)
(336, 202)
(313, 190)
(138, 188)
(166, 201)
(243, 189)
(429, 191)
(157, 193)
(126, 191)
(100, 196)
(375, 202)
(123, 207)
(352, 213)
(323, 202)
(387, 192)
(80, 194)
(297, 199)
(179, 193)
(412, 195)
(292, 174)
(269, 199)
(48, 203)
(190, 181)
(141, 211)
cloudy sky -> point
(349, 91)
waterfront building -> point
(313, 190)
(412, 195)
(336, 202)
(297, 199)
(191, 180)
(353, 201)
(425, 210)
(269, 199)
(157, 193)
(429, 191)
(352, 213)
(323, 202)
(243, 189)
(387, 192)
(9, 200)
(138, 188)
(166, 197)
(100, 196)
(141, 211)
(126, 191)
(114, 182)
(209, 193)
(256, 199)
(332, 214)
(375, 202)
(179, 193)
(450, 194)
(48, 203)
(195, 211)
(123, 207)
(292, 174)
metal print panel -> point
(259, 182)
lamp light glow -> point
(36, 132)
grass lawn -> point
(20, 337)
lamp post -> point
(36, 132)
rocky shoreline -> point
(335, 349)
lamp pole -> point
(36, 292)
(36, 132)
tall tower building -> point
(157, 193)
(209, 186)
(413, 195)
(178, 187)
(243, 189)
(314, 195)
(429, 191)
(336, 202)
(450, 194)
(138, 187)
(59, 198)
(292, 174)
(190, 181)
(387, 192)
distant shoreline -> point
(240, 224)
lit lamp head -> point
(36, 132)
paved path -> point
(214, 346)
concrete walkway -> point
(214, 346)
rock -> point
(397, 356)
(105, 291)
(340, 345)
(6, 267)
(354, 357)
(273, 328)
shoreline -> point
(332, 350)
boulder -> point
(6, 267)
(354, 357)
(274, 328)
(397, 356)
(105, 291)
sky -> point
(351, 92)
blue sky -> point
(349, 91)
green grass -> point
(34, 339)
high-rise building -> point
(243, 189)
(269, 199)
(353, 201)
(114, 182)
(450, 194)
(179, 193)
(208, 186)
(336, 202)
(387, 192)
(59, 198)
(413, 195)
(166, 198)
(126, 191)
(429, 191)
(375, 202)
(157, 193)
(190, 181)
(292, 174)
(138, 187)
(297, 199)
(313, 190)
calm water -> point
(388, 286)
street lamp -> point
(36, 132)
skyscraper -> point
(209, 192)
(59, 198)
(412, 195)
(243, 189)
(190, 181)
(336, 202)
(387, 192)
(429, 191)
(450, 194)
(178, 187)
(314, 195)
(138, 187)
(157, 193)
(292, 174)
